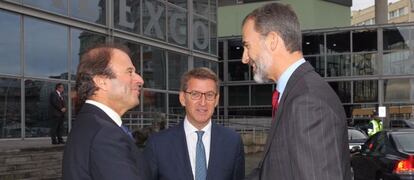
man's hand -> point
(63, 109)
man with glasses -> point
(197, 148)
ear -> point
(272, 40)
(217, 100)
(182, 98)
(100, 82)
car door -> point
(365, 162)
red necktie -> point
(275, 103)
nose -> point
(139, 79)
(203, 99)
(245, 57)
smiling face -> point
(256, 53)
(199, 111)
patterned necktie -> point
(201, 165)
(275, 103)
(126, 130)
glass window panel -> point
(177, 66)
(343, 90)
(46, 49)
(38, 118)
(57, 6)
(338, 65)
(365, 91)
(73, 103)
(235, 49)
(127, 15)
(339, 42)
(398, 63)
(177, 26)
(175, 105)
(312, 44)
(241, 112)
(201, 34)
(239, 95)
(89, 10)
(213, 38)
(398, 38)
(221, 70)
(181, 3)
(154, 102)
(200, 62)
(365, 64)
(261, 94)
(201, 7)
(10, 43)
(213, 10)
(80, 40)
(360, 113)
(154, 19)
(238, 71)
(10, 98)
(220, 51)
(399, 90)
(400, 111)
(364, 40)
(221, 100)
(154, 67)
(318, 63)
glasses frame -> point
(196, 95)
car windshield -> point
(355, 134)
(405, 141)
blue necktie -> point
(126, 130)
(201, 165)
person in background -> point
(57, 110)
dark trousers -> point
(56, 129)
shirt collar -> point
(111, 113)
(284, 78)
(189, 128)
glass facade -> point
(366, 66)
(42, 47)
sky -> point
(361, 4)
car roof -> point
(400, 130)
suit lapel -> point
(297, 74)
(180, 147)
(215, 150)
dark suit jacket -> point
(168, 157)
(308, 139)
(55, 105)
(99, 149)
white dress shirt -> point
(191, 137)
(111, 113)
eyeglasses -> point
(195, 95)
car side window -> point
(369, 145)
(379, 145)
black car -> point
(356, 137)
(387, 155)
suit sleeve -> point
(238, 171)
(150, 156)
(317, 139)
(111, 157)
(54, 101)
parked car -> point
(356, 137)
(387, 155)
(402, 123)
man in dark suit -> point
(57, 109)
(308, 135)
(197, 148)
(99, 147)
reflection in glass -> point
(318, 63)
(343, 90)
(89, 10)
(200, 62)
(177, 66)
(364, 64)
(398, 63)
(127, 15)
(154, 102)
(238, 71)
(213, 38)
(364, 40)
(10, 43)
(175, 105)
(57, 6)
(154, 19)
(235, 49)
(221, 70)
(181, 3)
(201, 7)
(37, 108)
(399, 90)
(338, 65)
(312, 44)
(399, 111)
(261, 94)
(177, 26)
(239, 95)
(220, 50)
(339, 42)
(201, 34)
(154, 67)
(398, 38)
(10, 126)
(213, 10)
(46, 49)
(242, 112)
(80, 41)
(365, 91)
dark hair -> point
(281, 19)
(199, 73)
(94, 62)
(58, 85)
